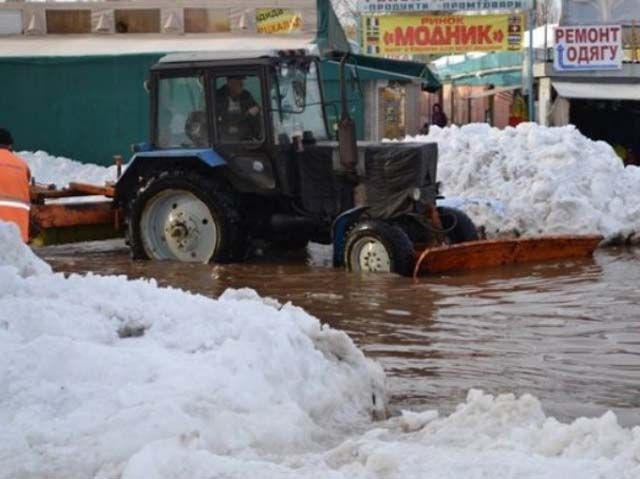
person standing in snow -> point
(438, 117)
(14, 186)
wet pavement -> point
(567, 333)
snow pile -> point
(108, 378)
(95, 369)
(60, 171)
(491, 436)
(534, 179)
(486, 436)
(15, 256)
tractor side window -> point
(182, 115)
(239, 115)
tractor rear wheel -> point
(183, 216)
(458, 226)
(377, 246)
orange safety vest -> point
(14, 191)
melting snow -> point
(109, 378)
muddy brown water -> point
(568, 333)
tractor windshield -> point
(297, 103)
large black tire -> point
(458, 226)
(230, 238)
(363, 251)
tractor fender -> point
(143, 163)
(339, 229)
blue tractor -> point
(240, 150)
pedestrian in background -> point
(438, 117)
(518, 111)
(14, 186)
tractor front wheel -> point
(377, 246)
(185, 217)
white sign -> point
(588, 47)
(398, 6)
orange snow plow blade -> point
(484, 254)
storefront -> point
(602, 105)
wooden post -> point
(634, 44)
(453, 103)
(117, 159)
(492, 119)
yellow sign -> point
(417, 34)
(278, 20)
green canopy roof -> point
(332, 41)
(499, 69)
(330, 36)
(373, 68)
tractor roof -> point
(124, 44)
(221, 55)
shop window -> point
(68, 21)
(10, 22)
(205, 20)
(137, 21)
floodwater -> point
(567, 333)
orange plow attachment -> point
(484, 254)
(54, 222)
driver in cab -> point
(238, 113)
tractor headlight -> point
(416, 194)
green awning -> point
(499, 69)
(374, 68)
(332, 42)
(330, 36)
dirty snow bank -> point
(534, 179)
(108, 378)
(491, 436)
(15, 256)
(60, 171)
(95, 369)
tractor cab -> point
(252, 100)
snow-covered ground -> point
(102, 377)
(517, 181)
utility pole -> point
(532, 24)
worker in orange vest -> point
(14, 186)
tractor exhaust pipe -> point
(347, 141)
